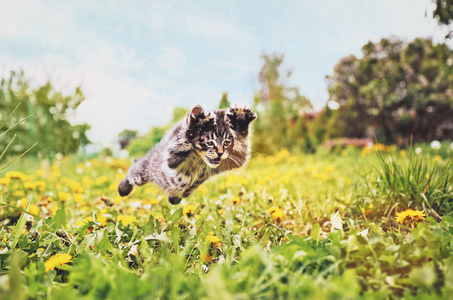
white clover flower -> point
(418, 150)
(435, 145)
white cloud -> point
(172, 60)
(214, 29)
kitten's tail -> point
(124, 188)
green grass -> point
(267, 232)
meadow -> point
(370, 224)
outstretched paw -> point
(124, 188)
(200, 120)
(240, 118)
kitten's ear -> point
(194, 112)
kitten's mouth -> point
(213, 162)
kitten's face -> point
(218, 148)
(216, 145)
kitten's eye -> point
(210, 144)
(226, 143)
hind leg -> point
(135, 177)
(124, 188)
(174, 200)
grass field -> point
(322, 226)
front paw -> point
(240, 117)
(199, 120)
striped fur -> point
(200, 146)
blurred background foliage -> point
(397, 92)
(46, 111)
(394, 92)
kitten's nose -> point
(219, 154)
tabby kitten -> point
(202, 145)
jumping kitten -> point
(202, 145)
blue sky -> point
(137, 60)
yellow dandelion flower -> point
(63, 196)
(203, 190)
(276, 213)
(212, 239)
(101, 180)
(310, 169)
(33, 209)
(272, 209)
(329, 168)
(19, 193)
(126, 219)
(84, 221)
(152, 201)
(53, 210)
(41, 185)
(86, 181)
(189, 210)
(79, 199)
(100, 219)
(15, 175)
(59, 259)
(410, 216)
(103, 220)
(55, 175)
(75, 186)
(56, 168)
(5, 181)
(30, 185)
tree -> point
(140, 145)
(280, 109)
(396, 90)
(224, 103)
(444, 12)
(47, 111)
(126, 136)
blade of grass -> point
(25, 152)
(20, 226)
(7, 146)
(14, 126)
(10, 115)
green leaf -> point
(60, 218)
(176, 216)
(315, 231)
(175, 232)
(148, 228)
(104, 245)
(424, 276)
